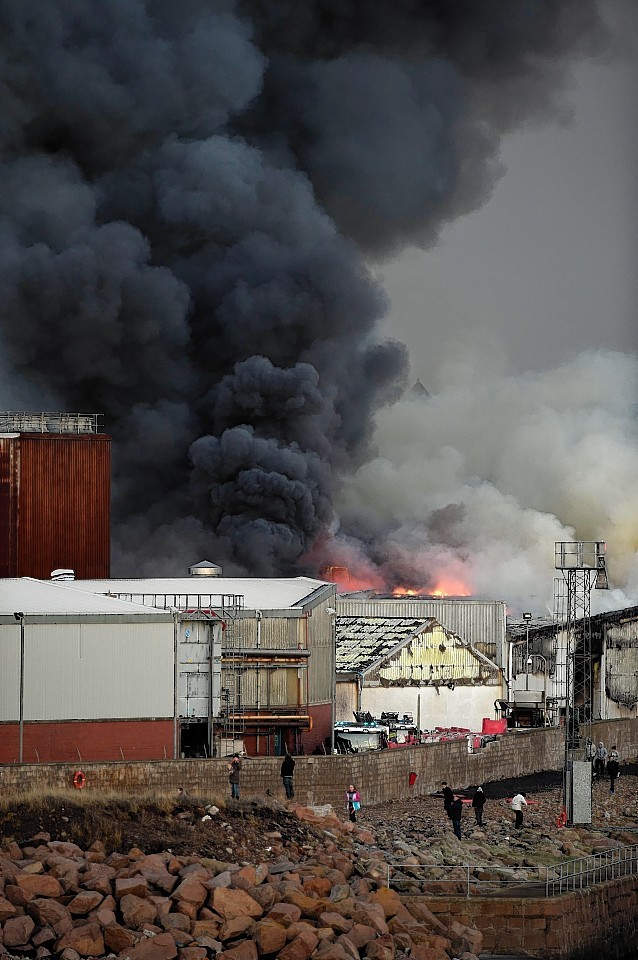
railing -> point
(22, 422)
(598, 867)
(484, 880)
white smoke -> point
(476, 483)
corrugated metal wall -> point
(482, 622)
(621, 662)
(90, 671)
(9, 672)
(55, 505)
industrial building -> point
(153, 669)
(270, 684)
(413, 665)
(55, 477)
(481, 623)
(83, 677)
(537, 671)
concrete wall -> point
(464, 706)
(380, 777)
(599, 921)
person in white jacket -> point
(518, 802)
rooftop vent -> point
(63, 574)
(205, 569)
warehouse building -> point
(83, 677)
(273, 686)
(412, 665)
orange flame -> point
(443, 588)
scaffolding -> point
(232, 722)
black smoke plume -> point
(187, 191)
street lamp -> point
(20, 619)
(527, 617)
(529, 664)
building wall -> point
(462, 707)
(55, 504)
(79, 742)
(78, 670)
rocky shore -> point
(276, 881)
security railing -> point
(485, 880)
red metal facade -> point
(55, 505)
(77, 741)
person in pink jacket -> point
(353, 802)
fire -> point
(345, 580)
(443, 588)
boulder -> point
(137, 910)
(230, 903)
(270, 937)
(17, 931)
(87, 940)
(160, 947)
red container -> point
(412, 777)
(494, 726)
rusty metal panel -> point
(9, 455)
(63, 515)
(93, 671)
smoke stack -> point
(205, 569)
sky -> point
(548, 267)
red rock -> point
(205, 928)
(117, 938)
(361, 934)
(39, 885)
(235, 903)
(84, 902)
(43, 936)
(17, 931)
(423, 914)
(136, 910)
(331, 951)
(319, 885)
(102, 884)
(192, 953)
(35, 867)
(188, 909)
(135, 886)
(135, 854)
(269, 936)
(104, 916)
(161, 947)
(284, 913)
(87, 940)
(348, 947)
(235, 928)
(264, 895)
(50, 913)
(64, 848)
(191, 890)
(14, 851)
(16, 895)
(7, 910)
(336, 921)
(246, 950)
(300, 948)
(389, 900)
(422, 951)
(245, 878)
(175, 921)
(381, 949)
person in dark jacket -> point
(448, 797)
(456, 812)
(478, 802)
(287, 773)
(613, 767)
(234, 769)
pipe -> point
(257, 698)
(175, 613)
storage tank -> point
(55, 488)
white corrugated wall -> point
(95, 671)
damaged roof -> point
(363, 641)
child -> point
(353, 802)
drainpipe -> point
(175, 613)
(258, 616)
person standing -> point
(448, 797)
(234, 770)
(287, 773)
(478, 802)
(353, 802)
(518, 802)
(613, 767)
(456, 812)
(600, 760)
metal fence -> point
(485, 880)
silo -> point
(55, 480)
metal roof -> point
(362, 641)
(265, 593)
(29, 596)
